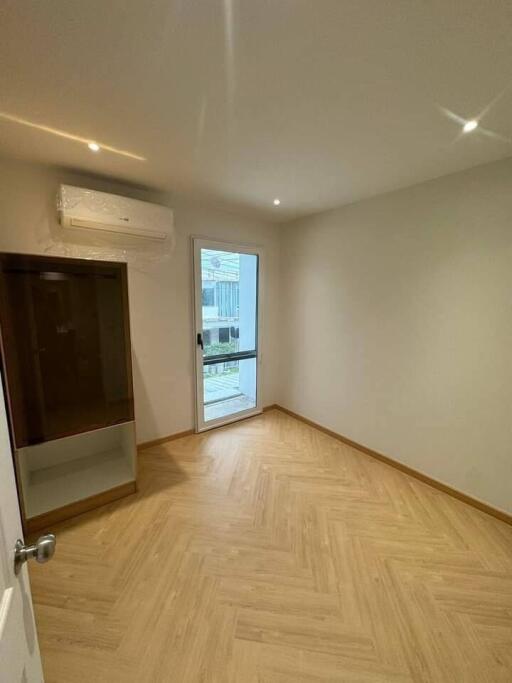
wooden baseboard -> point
(164, 439)
(46, 520)
(435, 483)
(178, 435)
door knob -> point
(41, 551)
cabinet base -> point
(46, 520)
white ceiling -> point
(318, 102)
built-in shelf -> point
(61, 472)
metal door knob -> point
(42, 551)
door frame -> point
(198, 243)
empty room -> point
(256, 341)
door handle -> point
(200, 341)
(42, 551)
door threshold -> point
(230, 420)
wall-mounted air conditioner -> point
(82, 208)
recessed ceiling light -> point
(277, 202)
(93, 146)
(469, 126)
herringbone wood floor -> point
(269, 552)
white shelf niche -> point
(56, 473)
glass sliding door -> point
(226, 283)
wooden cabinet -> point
(66, 359)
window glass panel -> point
(229, 301)
(229, 388)
(208, 296)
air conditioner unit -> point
(82, 208)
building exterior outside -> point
(229, 304)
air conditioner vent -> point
(89, 209)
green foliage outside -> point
(220, 348)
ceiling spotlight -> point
(93, 146)
(469, 126)
(277, 202)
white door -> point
(227, 309)
(20, 661)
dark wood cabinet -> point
(66, 360)
(65, 345)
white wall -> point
(160, 290)
(396, 316)
(397, 326)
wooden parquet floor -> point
(268, 552)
